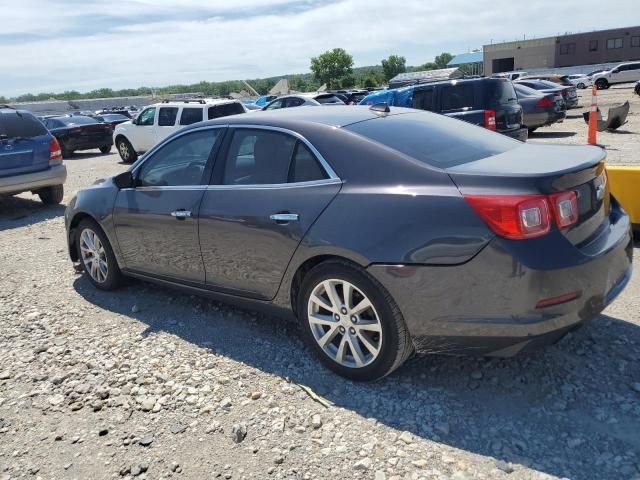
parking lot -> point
(151, 383)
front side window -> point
(167, 116)
(276, 104)
(294, 102)
(614, 43)
(258, 157)
(457, 97)
(190, 115)
(180, 162)
(147, 116)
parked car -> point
(539, 109)
(113, 119)
(118, 110)
(158, 121)
(489, 102)
(510, 75)
(563, 80)
(580, 81)
(78, 132)
(264, 99)
(303, 100)
(569, 94)
(381, 231)
(30, 157)
(623, 73)
(637, 88)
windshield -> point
(433, 139)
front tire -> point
(351, 322)
(96, 256)
(106, 149)
(126, 151)
(51, 195)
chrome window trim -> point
(312, 183)
(327, 168)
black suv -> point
(489, 102)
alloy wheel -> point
(94, 256)
(344, 323)
(123, 149)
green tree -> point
(442, 59)
(393, 65)
(3, 100)
(332, 66)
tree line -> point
(333, 68)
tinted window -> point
(113, 117)
(304, 166)
(24, 125)
(167, 116)
(456, 97)
(293, 102)
(180, 162)
(225, 110)
(274, 105)
(258, 157)
(502, 92)
(147, 116)
(328, 99)
(190, 115)
(548, 84)
(423, 99)
(432, 139)
(70, 121)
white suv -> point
(158, 121)
(625, 72)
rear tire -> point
(66, 152)
(581, 86)
(96, 256)
(361, 344)
(51, 195)
(126, 151)
(602, 84)
(106, 149)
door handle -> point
(181, 214)
(283, 218)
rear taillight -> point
(490, 120)
(513, 216)
(565, 208)
(544, 102)
(55, 154)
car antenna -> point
(380, 108)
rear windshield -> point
(114, 117)
(13, 124)
(432, 139)
(225, 110)
(549, 84)
(502, 92)
(325, 99)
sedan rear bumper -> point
(89, 143)
(487, 306)
(55, 175)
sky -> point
(58, 45)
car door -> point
(268, 188)
(143, 135)
(166, 123)
(632, 72)
(156, 222)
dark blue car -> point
(30, 157)
(491, 103)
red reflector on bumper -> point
(567, 297)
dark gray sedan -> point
(539, 109)
(380, 231)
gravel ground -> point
(151, 383)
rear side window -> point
(225, 110)
(24, 125)
(304, 166)
(327, 99)
(167, 116)
(457, 97)
(423, 99)
(258, 157)
(502, 92)
(190, 115)
(432, 139)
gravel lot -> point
(151, 383)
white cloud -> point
(145, 42)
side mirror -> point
(124, 180)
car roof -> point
(195, 103)
(338, 116)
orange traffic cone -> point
(593, 117)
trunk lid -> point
(545, 169)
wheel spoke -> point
(373, 349)
(347, 291)
(356, 351)
(341, 349)
(334, 298)
(361, 307)
(318, 300)
(319, 319)
(369, 325)
(328, 336)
